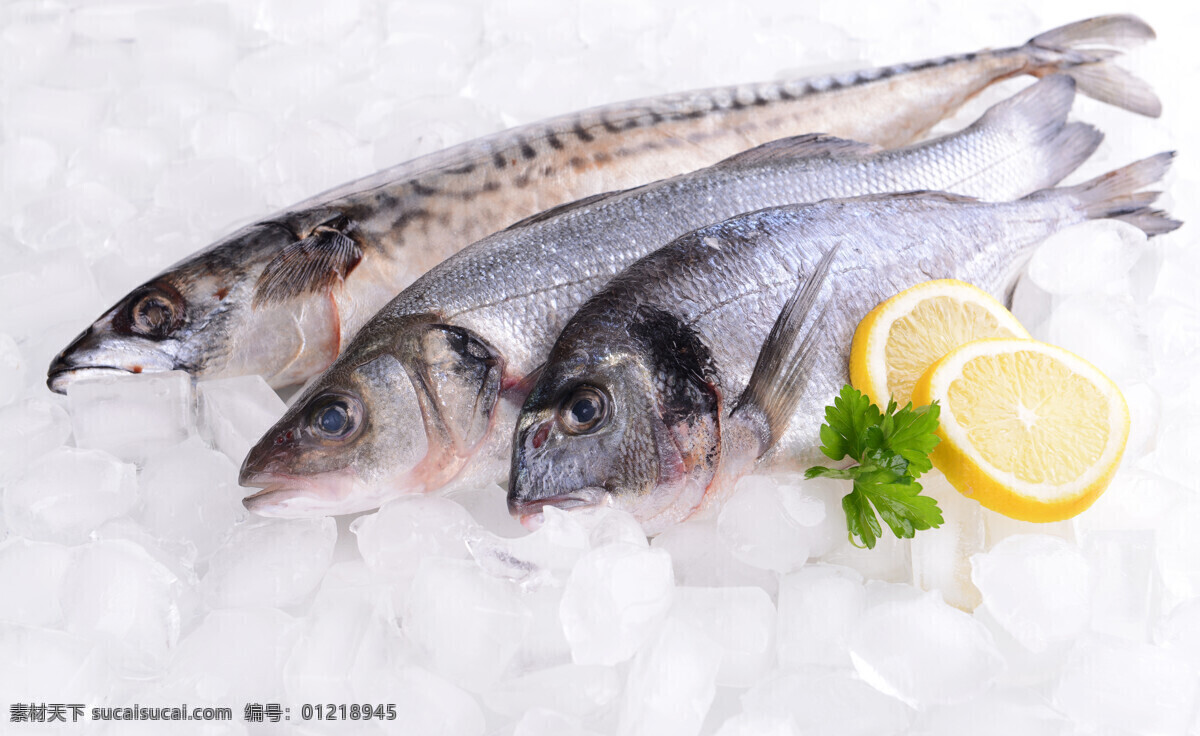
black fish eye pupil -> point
(584, 410)
(333, 419)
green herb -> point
(892, 450)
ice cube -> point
(429, 704)
(699, 559)
(27, 166)
(1181, 629)
(1031, 305)
(304, 23)
(550, 647)
(191, 497)
(1179, 551)
(580, 690)
(394, 540)
(614, 600)
(415, 128)
(311, 158)
(1126, 687)
(769, 526)
(747, 724)
(889, 561)
(211, 191)
(67, 493)
(821, 700)
(1171, 458)
(996, 713)
(167, 105)
(125, 160)
(156, 239)
(12, 370)
(444, 65)
(488, 506)
(186, 50)
(116, 593)
(1037, 587)
(1102, 331)
(66, 118)
(1126, 589)
(1000, 527)
(1145, 410)
(924, 651)
(51, 666)
(671, 683)
(48, 290)
(740, 622)
(75, 217)
(31, 40)
(544, 557)
(325, 652)
(467, 624)
(819, 605)
(611, 526)
(270, 563)
(232, 134)
(1086, 257)
(235, 653)
(132, 416)
(276, 76)
(235, 412)
(33, 573)
(941, 557)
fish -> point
(720, 351)
(283, 296)
(425, 397)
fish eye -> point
(584, 410)
(154, 312)
(335, 418)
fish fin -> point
(559, 209)
(520, 389)
(1084, 50)
(313, 264)
(458, 379)
(775, 385)
(1114, 195)
(800, 146)
(1038, 115)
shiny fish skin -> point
(281, 297)
(431, 384)
(666, 349)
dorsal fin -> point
(801, 146)
(559, 209)
(309, 265)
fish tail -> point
(1084, 50)
(1038, 114)
(1115, 195)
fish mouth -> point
(285, 496)
(529, 513)
(59, 377)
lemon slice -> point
(1028, 429)
(904, 335)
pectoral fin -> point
(311, 265)
(775, 386)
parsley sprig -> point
(892, 450)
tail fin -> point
(1114, 195)
(1038, 115)
(1085, 49)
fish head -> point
(401, 411)
(624, 417)
(242, 306)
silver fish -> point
(660, 391)
(426, 394)
(281, 297)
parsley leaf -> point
(892, 450)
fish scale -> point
(507, 296)
(296, 294)
(664, 460)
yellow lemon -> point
(904, 335)
(1028, 429)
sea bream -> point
(688, 367)
(282, 296)
(426, 394)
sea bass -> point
(687, 368)
(426, 394)
(282, 296)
